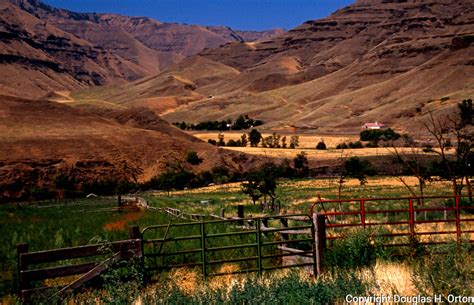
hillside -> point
(48, 49)
(37, 57)
(40, 139)
(391, 61)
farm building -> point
(375, 125)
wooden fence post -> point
(240, 214)
(319, 222)
(134, 232)
(284, 224)
(20, 249)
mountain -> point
(41, 139)
(58, 45)
(376, 60)
(37, 57)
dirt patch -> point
(119, 223)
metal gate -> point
(231, 246)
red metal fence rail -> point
(354, 213)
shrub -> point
(290, 289)
(233, 143)
(356, 144)
(321, 145)
(447, 273)
(193, 158)
(342, 146)
(356, 250)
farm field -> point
(307, 144)
(305, 140)
(48, 225)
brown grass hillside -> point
(389, 61)
(40, 138)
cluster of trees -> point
(379, 135)
(67, 184)
(262, 182)
(241, 123)
(242, 142)
(178, 177)
(254, 138)
(277, 141)
(356, 144)
(373, 137)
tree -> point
(355, 167)
(267, 142)
(376, 135)
(240, 123)
(243, 140)
(175, 177)
(262, 183)
(301, 164)
(254, 137)
(268, 184)
(412, 164)
(458, 168)
(251, 186)
(193, 158)
(220, 141)
(321, 145)
(275, 140)
(465, 112)
(294, 142)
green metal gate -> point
(248, 245)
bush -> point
(354, 251)
(321, 145)
(233, 143)
(342, 146)
(356, 144)
(372, 144)
(193, 158)
(447, 273)
(291, 289)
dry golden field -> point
(307, 144)
(305, 140)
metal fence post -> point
(362, 212)
(203, 250)
(458, 220)
(259, 248)
(412, 223)
(319, 222)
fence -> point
(254, 244)
(111, 252)
(400, 217)
(259, 241)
